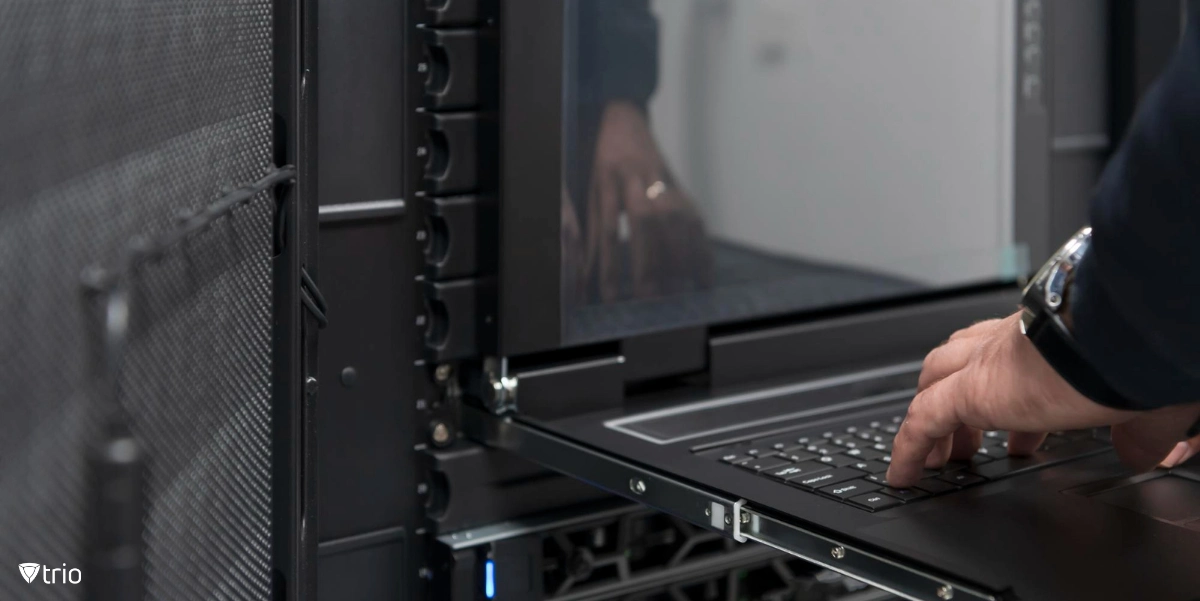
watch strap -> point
(1061, 352)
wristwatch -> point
(1045, 311)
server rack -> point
(400, 486)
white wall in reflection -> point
(864, 132)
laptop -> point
(801, 467)
(831, 188)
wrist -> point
(1047, 321)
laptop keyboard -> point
(850, 463)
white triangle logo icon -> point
(29, 570)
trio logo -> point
(29, 571)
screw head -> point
(442, 373)
(708, 511)
(349, 377)
(728, 520)
(745, 518)
(838, 552)
(637, 485)
(945, 592)
(422, 488)
(441, 433)
(310, 385)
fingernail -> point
(1177, 454)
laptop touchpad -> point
(1169, 499)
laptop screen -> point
(727, 160)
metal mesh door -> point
(119, 119)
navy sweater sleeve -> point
(1136, 301)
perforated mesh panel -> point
(197, 383)
(116, 115)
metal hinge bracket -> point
(500, 396)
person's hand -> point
(574, 252)
(1182, 452)
(644, 236)
(990, 377)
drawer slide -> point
(713, 510)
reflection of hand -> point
(644, 236)
(990, 377)
(574, 259)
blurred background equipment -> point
(152, 239)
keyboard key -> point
(876, 425)
(845, 490)
(954, 466)
(846, 442)
(865, 454)
(825, 478)
(796, 456)
(935, 486)
(779, 446)
(823, 449)
(904, 494)
(788, 472)
(862, 466)
(1008, 465)
(996, 452)
(763, 464)
(836, 460)
(852, 430)
(874, 501)
(962, 478)
(891, 429)
(755, 452)
(880, 478)
(867, 436)
(995, 435)
(827, 435)
(882, 447)
(875, 467)
(886, 459)
(804, 440)
(898, 419)
(735, 458)
(792, 448)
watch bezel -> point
(1047, 291)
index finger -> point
(932, 416)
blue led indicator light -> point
(489, 579)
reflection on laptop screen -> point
(727, 160)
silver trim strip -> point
(1080, 143)
(360, 210)
(569, 367)
(620, 424)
